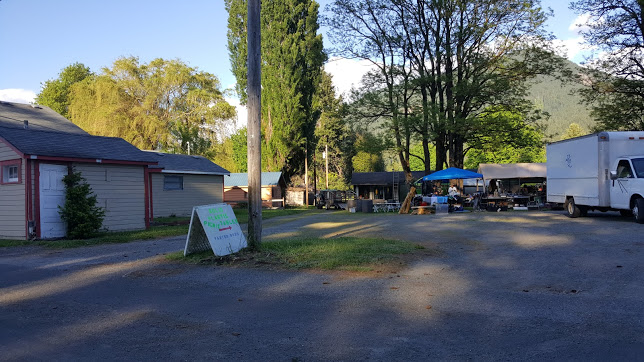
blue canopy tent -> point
(451, 173)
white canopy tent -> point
(516, 173)
(512, 170)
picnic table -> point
(386, 207)
(495, 203)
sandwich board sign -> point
(214, 227)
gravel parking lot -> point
(491, 286)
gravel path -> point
(509, 286)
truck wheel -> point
(572, 210)
(638, 210)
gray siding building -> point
(180, 182)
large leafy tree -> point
(164, 104)
(369, 150)
(292, 57)
(371, 31)
(471, 56)
(441, 64)
(615, 76)
(417, 159)
(504, 137)
(55, 92)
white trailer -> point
(602, 171)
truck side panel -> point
(573, 170)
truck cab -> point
(627, 184)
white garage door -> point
(52, 195)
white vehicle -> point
(603, 171)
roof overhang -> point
(90, 160)
(196, 172)
(12, 147)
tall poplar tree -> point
(332, 132)
(292, 58)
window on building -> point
(173, 183)
(10, 171)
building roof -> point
(178, 163)
(382, 178)
(70, 145)
(39, 118)
(512, 170)
(241, 179)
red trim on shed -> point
(146, 176)
(28, 197)
(27, 200)
(37, 196)
(14, 162)
(151, 196)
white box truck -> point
(602, 171)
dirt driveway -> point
(499, 286)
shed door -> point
(52, 195)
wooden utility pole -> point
(326, 160)
(254, 126)
(306, 173)
(315, 172)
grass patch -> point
(10, 243)
(155, 232)
(349, 254)
(195, 258)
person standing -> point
(452, 191)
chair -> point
(476, 202)
(393, 207)
(379, 206)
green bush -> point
(242, 205)
(80, 212)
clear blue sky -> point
(41, 37)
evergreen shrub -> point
(80, 212)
